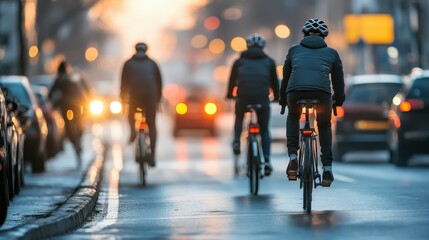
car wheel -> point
(338, 152)
(402, 153)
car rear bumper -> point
(194, 123)
(363, 141)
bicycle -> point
(143, 151)
(254, 163)
(308, 171)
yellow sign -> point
(371, 28)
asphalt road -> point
(192, 194)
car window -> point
(420, 89)
(18, 91)
(374, 93)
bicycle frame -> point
(308, 158)
(142, 143)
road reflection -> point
(317, 219)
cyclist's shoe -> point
(267, 169)
(292, 168)
(236, 148)
(151, 160)
(327, 178)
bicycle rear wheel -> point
(308, 175)
(254, 166)
(141, 157)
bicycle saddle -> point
(253, 106)
(307, 102)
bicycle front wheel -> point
(308, 175)
(253, 161)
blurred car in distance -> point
(54, 120)
(198, 111)
(105, 107)
(32, 121)
(408, 117)
(362, 121)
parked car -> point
(198, 111)
(409, 116)
(32, 121)
(362, 122)
(15, 138)
(4, 181)
(54, 120)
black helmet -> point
(255, 40)
(141, 47)
(315, 25)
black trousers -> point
(263, 115)
(149, 110)
(323, 119)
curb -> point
(71, 214)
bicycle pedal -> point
(292, 178)
(292, 175)
(326, 183)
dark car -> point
(362, 122)
(198, 111)
(409, 116)
(54, 119)
(15, 138)
(4, 164)
(32, 121)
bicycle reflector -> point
(307, 132)
(143, 126)
(254, 128)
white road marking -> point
(343, 178)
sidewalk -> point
(59, 199)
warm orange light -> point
(238, 44)
(221, 73)
(143, 126)
(340, 112)
(405, 106)
(33, 51)
(282, 31)
(91, 54)
(70, 115)
(279, 69)
(395, 119)
(181, 108)
(234, 91)
(199, 41)
(217, 46)
(210, 108)
(212, 23)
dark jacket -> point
(67, 93)
(141, 79)
(254, 73)
(308, 65)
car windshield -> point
(17, 90)
(374, 93)
(420, 89)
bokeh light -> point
(221, 73)
(212, 23)
(33, 51)
(199, 41)
(217, 46)
(233, 13)
(238, 44)
(279, 69)
(282, 31)
(91, 54)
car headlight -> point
(96, 107)
(116, 107)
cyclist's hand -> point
(339, 100)
(282, 111)
(283, 101)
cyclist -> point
(68, 93)
(254, 74)
(141, 84)
(306, 76)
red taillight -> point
(411, 104)
(254, 128)
(307, 132)
(143, 126)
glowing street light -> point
(282, 31)
(91, 54)
(33, 51)
(212, 23)
(217, 46)
(238, 44)
(199, 41)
